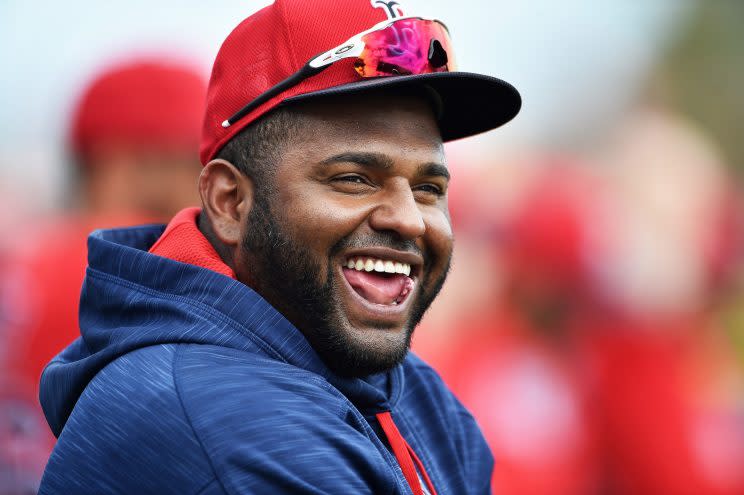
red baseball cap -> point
(151, 102)
(277, 41)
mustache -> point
(386, 239)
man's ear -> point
(227, 199)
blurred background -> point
(593, 320)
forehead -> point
(395, 125)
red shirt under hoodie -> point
(183, 241)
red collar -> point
(183, 241)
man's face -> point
(353, 241)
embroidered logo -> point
(392, 8)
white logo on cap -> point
(392, 8)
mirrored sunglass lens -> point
(408, 46)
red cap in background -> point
(144, 103)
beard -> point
(290, 277)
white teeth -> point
(378, 265)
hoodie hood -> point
(133, 299)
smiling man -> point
(344, 230)
(260, 344)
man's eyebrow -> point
(377, 160)
(433, 170)
(372, 160)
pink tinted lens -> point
(408, 46)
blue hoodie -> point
(185, 381)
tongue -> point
(376, 288)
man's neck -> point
(205, 227)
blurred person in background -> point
(511, 360)
(597, 363)
(667, 388)
(133, 141)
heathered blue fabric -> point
(185, 381)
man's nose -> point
(399, 212)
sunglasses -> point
(398, 47)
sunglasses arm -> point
(293, 80)
(353, 47)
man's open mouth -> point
(379, 281)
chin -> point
(351, 350)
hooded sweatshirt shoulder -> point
(129, 415)
(212, 419)
(186, 381)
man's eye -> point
(353, 179)
(431, 189)
(352, 183)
